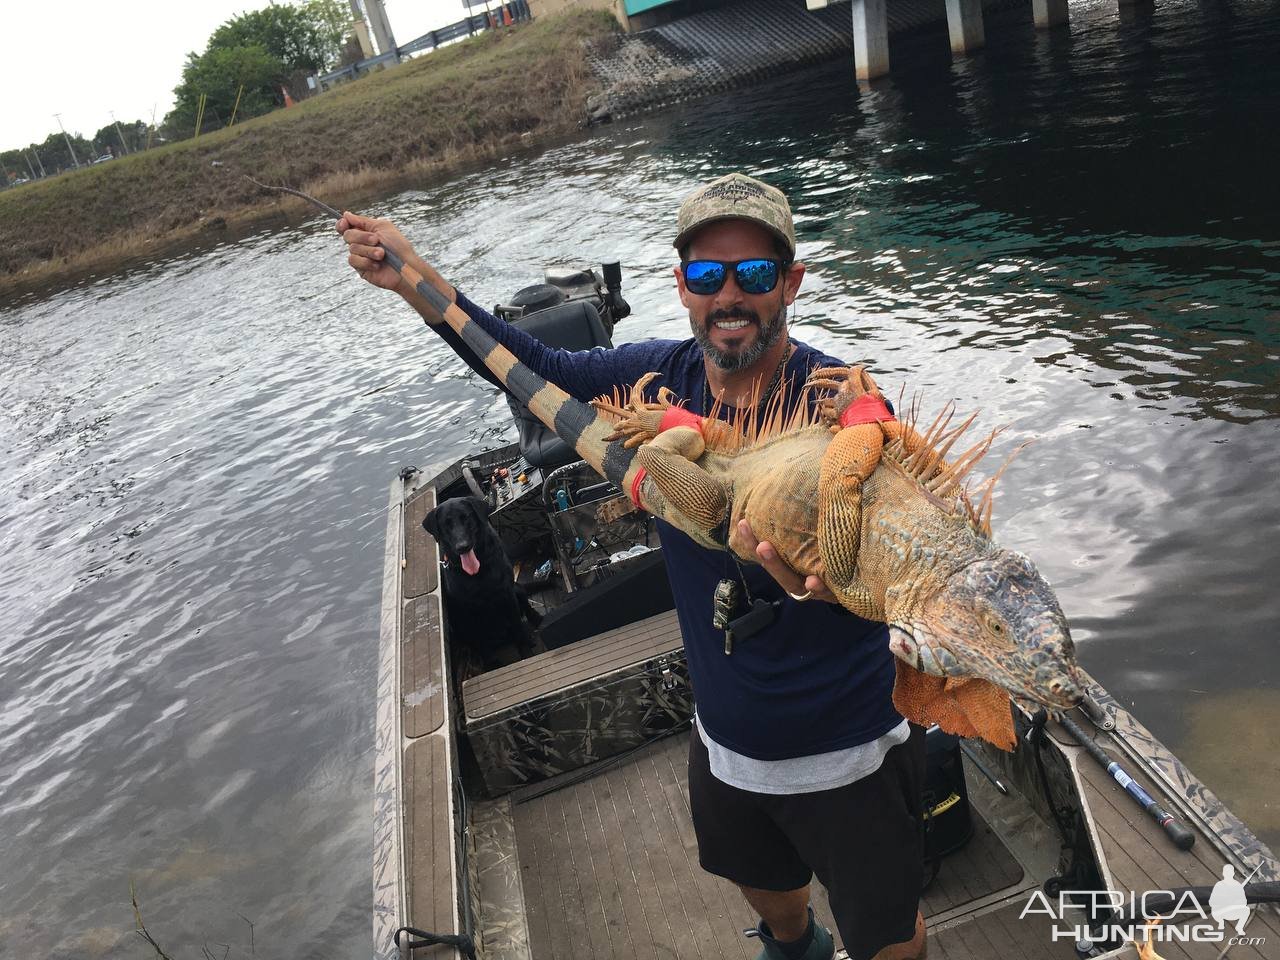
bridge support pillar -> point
(1049, 13)
(870, 39)
(964, 23)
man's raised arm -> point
(583, 374)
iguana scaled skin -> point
(871, 507)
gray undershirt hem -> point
(821, 771)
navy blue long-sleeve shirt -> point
(819, 679)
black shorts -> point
(865, 842)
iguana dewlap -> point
(869, 505)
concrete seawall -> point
(731, 46)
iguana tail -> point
(575, 422)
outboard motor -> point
(619, 309)
(540, 296)
(565, 285)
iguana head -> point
(997, 618)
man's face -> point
(735, 329)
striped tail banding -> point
(575, 422)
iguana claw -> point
(638, 420)
(849, 383)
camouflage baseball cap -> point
(737, 197)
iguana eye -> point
(995, 626)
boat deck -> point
(610, 862)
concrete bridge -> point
(872, 20)
(964, 24)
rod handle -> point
(1182, 838)
(392, 260)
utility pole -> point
(58, 117)
(123, 146)
(27, 157)
(39, 163)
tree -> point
(108, 137)
(13, 166)
(333, 22)
(53, 151)
(218, 74)
(293, 35)
(262, 50)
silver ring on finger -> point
(800, 596)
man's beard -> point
(731, 362)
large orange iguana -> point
(869, 506)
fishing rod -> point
(438, 301)
(1266, 891)
(1101, 718)
(611, 270)
(1182, 838)
(318, 204)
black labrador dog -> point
(487, 610)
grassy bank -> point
(428, 118)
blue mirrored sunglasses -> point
(705, 277)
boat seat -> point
(560, 710)
(573, 325)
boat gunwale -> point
(388, 849)
(392, 860)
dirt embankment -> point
(457, 107)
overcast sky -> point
(86, 58)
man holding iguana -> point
(799, 763)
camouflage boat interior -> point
(540, 810)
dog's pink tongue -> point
(470, 563)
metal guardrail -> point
(476, 23)
(453, 31)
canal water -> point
(1075, 233)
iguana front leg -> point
(858, 417)
(849, 383)
(852, 456)
(668, 460)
